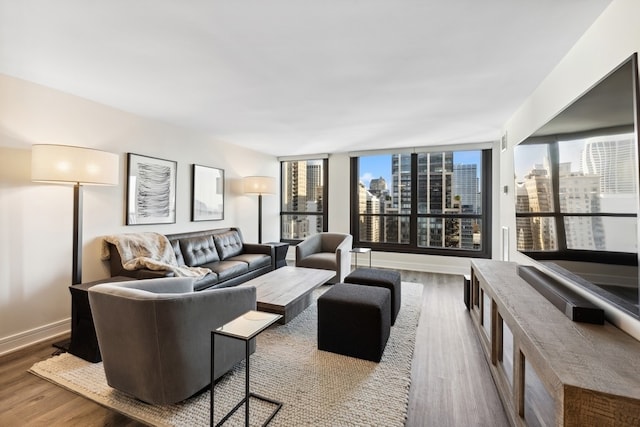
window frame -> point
(325, 197)
(412, 246)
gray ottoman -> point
(381, 278)
(354, 320)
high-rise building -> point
(465, 189)
(369, 209)
(314, 181)
(524, 235)
(578, 193)
(396, 230)
(435, 196)
(294, 199)
(537, 187)
(611, 160)
(465, 185)
(377, 186)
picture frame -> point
(151, 190)
(207, 193)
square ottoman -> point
(354, 320)
(381, 278)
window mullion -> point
(413, 219)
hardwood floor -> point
(451, 384)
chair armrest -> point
(343, 258)
(346, 244)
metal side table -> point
(244, 328)
(361, 251)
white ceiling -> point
(294, 77)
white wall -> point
(610, 41)
(36, 219)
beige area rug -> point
(317, 388)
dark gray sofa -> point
(231, 260)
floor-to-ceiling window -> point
(435, 202)
(303, 203)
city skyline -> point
(377, 166)
(447, 183)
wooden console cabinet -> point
(549, 370)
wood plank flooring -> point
(451, 384)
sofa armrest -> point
(255, 248)
(116, 268)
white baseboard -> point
(423, 267)
(24, 339)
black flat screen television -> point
(577, 181)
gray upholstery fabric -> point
(382, 278)
(155, 335)
(198, 250)
(354, 320)
(229, 244)
(326, 251)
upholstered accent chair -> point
(155, 335)
(326, 251)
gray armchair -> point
(326, 251)
(155, 335)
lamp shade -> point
(68, 164)
(259, 185)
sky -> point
(380, 166)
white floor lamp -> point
(63, 164)
(259, 185)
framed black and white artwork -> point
(151, 190)
(207, 193)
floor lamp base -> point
(63, 346)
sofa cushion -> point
(321, 260)
(228, 269)
(255, 261)
(229, 244)
(205, 282)
(198, 250)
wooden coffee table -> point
(287, 290)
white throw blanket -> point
(148, 250)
